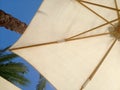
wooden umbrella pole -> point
(92, 29)
(59, 41)
(96, 14)
(107, 7)
(117, 10)
(98, 66)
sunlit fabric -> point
(67, 39)
(5, 85)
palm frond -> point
(7, 57)
(42, 83)
(14, 67)
(12, 71)
(15, 78)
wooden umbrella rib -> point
(98, 66)
(96, 13)
(55, 42)
(95, 35)
(107, 7)
(117, 10)
(92, 29)
(35, 45)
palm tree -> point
(13, 24)
(12, 71)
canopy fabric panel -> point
(67, 39)
(5, 85)
(60, 19)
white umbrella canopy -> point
(72, 42)
(5, 85)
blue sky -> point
(23, 10)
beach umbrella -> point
(75, 44)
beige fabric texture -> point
(67, 63)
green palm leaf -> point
(12, 71)
(42, 83)
(14, 67)
(14, 77)
(7, 57)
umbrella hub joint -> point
(115, 31)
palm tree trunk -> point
(11, 23)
